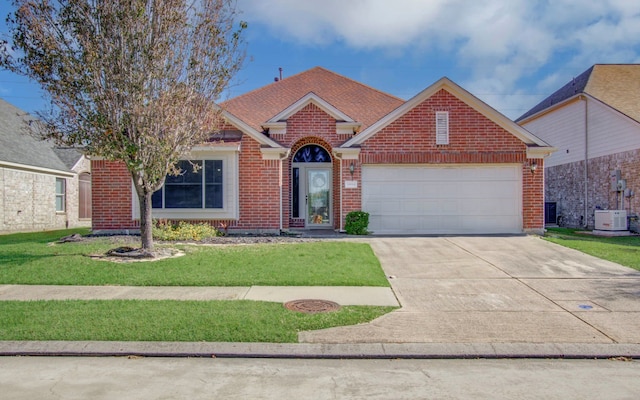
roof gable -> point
(616, 85)
(461, 94)
(311, 98)
(359, 102)
(344, 123)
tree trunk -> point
(146, 223)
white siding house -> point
(594, 122)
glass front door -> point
(318, 197)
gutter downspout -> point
(339, 157)
(586, 162)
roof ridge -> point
(297, 75)
(265, 87)
(575, 86)
(358, 82)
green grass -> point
(33, 259)
(624, 250)
(134, 320)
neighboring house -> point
(41, 187)
(594, 122)
(303, 152)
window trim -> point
(230, 184)
(61, 195)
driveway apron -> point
(489, 289)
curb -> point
(322, 351)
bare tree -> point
(130, 80)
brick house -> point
(303, 152)
(42, 187)
(594, 121)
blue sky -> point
(509, 53)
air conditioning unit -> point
(611, 220)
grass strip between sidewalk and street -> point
(624, 250)
(35, 259)
(145, 320)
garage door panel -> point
(448, 200)
(497, 208)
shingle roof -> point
(617, 85)
(360, 102)
(17, 146)
(68, 155)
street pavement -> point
(460, 296)
(97, 378)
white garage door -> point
(451, 199)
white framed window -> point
(61, 194)
(442, 127)
(211, 193)
(199, 185)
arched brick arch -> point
(335, 198)
(307, 141)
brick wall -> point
(565, 186)
(259, 189)
(111, 196)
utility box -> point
(611, 220)
(614, 178)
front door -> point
(318, 197)
(311, 187)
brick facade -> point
(265, 185)
(111, 196)
(474, 139)
(566, 186)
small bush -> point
(357, 223)
(163, 230)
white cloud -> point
(358, 23)
(499, 42)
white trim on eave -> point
(30, 168)
(310, 98)
(248, 130)
(540, 152)
(269, 153)
(346, 153)
(553, 107)
(460, 93)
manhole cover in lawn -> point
(312, 306)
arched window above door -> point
(312, 153)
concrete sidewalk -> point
(461, 297)
(343, 295)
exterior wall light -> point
(533, 167)
(352, 168)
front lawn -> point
(193, 321)
(35, 259)
(624, 250)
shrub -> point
(164, 230)
(357, 223)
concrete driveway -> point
(517, 289)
